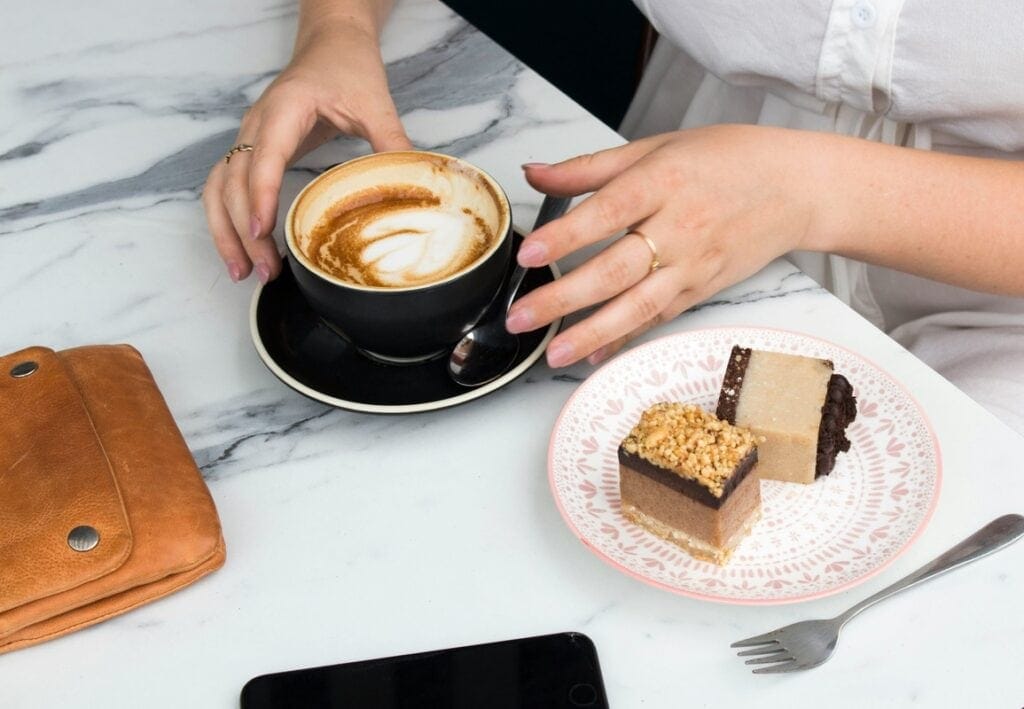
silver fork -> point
(809, 643)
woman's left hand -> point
(717, 204)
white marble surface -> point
(352, 536)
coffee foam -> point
(398, 220)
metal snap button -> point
(83, 538)
(23, 369)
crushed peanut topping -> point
(690, 442)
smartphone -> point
(553, 671)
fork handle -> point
(992, 537)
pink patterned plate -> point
(812, 540)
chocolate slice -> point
(797, 404)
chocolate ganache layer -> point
(691, 488)
(837, 413)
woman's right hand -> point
(335, 83)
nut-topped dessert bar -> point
(684, 475)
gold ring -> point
(655, 262)
(240, 148)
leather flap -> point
(54, 476)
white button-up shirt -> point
(953, 67)
(932, 74)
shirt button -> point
(864, 14)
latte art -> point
(417, 246)
(398, 242)
(400, 252)
(402, 220)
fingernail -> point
(235, 271)
(532, 254)
(528, 165)
(560, 354)
(254, 227)
(263, 272)
(598, 356)
(519, 320)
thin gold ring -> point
(240, 148)
(655, 261)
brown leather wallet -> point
(102, 507)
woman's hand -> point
(334, 83)
(717, 204)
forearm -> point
(316, 15)
(950, 218)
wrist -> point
(352, 18)
(835, 182)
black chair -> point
(593, 50)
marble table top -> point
(353, 536)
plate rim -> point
(362, 407)
(599, 553)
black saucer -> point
(308, 356)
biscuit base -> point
(697, 548)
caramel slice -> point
(684, 475)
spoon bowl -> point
(488, 350)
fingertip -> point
(532, 254)
(274, 265)
(549, 180)
(390, 139)
(560, 354)
(263, 272)
(519, 319)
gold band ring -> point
(655, 262)
(240, 148)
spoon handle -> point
(550, 209)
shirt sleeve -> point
(959, 67)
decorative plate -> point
(812, 540)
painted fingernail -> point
(234, 271)
(519, 320)
(532, 254)
(263, 272)
(528, 165)
(254, 227)
(560, 354)
(599, 356)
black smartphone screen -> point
(545, 671)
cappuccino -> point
(403, 220)
(400, 253)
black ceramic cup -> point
(393, 321)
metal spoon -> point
(488, 350)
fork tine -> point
(789, 666)
(757, 640)
(780, 656)
(761, 650)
